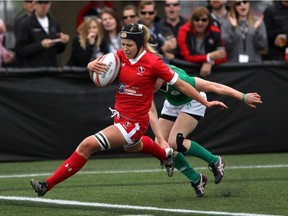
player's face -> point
(129, 48)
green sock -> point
(184, 167)
(200, 152)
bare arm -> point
(191, 92)
(207, 86)
(154, 123)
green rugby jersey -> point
(174, 96)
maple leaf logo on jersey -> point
(141, 70)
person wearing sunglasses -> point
(200, 42)
(244, 35)
(148, 14)
(130, 14)
(170, 25)
(275, 19)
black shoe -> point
(199, 185)
(217, 169)
(168, 162)
(39, 187)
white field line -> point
(104, 205)
(115, 206)
(141, 171)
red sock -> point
(150, 147)
(71, 166)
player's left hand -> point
(251, 99)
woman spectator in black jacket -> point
(88, 44)
(200, 42)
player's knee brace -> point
(102, 140)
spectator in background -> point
(275, 19)
(170, 25)
(147, 14)
(218, 11)
(200, 42)
(41, 38)
(92, 9)
(244, 36)
(111, 25)
(88, 44)
(130, 14)
(28, 7)
(6, 56)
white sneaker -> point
(168, 162)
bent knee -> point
(133, 148)
(172, 143)
(88, 146)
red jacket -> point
(187, 43)
(91, 9)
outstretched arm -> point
(191, 92)
(251, 99)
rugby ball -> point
(113, 66)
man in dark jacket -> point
(40, 39)
(275, 19)
(170, 25)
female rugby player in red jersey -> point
(140, 68)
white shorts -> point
(193, 107)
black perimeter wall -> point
(45, 113)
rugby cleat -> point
(217, 169)
(40, 188)
(168, 162)
(199, 185)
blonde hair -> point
(147, 46)
(234, 13)
(83, 31)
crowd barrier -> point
(46, 112)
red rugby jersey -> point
(137, 79)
